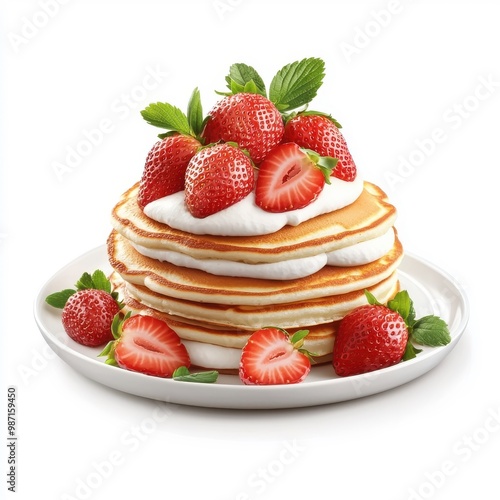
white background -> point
(416, 86)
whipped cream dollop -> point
(245, 218)
(354, 255)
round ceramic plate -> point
(433, 292)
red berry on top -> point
(165, 167)
(87, 317)
(250, 120)
(321, 134)
(217, 177)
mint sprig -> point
(182, 374)
(171, 118)
(429, 330)
(96, 281)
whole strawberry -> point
(321, 134)
(88, 315)
(369, 338)
(165, 167)
(88, 311)
(250, 120)
(217, 177)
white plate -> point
(432, 290)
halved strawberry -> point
(289, 178)
(271, 357)
(147, 345)
(321, 133)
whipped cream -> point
(245, 218)
(209, 355)
(354, 255)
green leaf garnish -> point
(296, 84)
(182, 374)
(402, 304)
(244, 78)
(410, 352)
(95, 281)
(59, 299)
(195, 112)
(164, 115)
(432, 331)
(325, 163)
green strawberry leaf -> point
(372, 300)
(84, 282)
(59, 299)
(315, 113)
(240, 75)
(100, 281)
(402, 304)
(325, 163)
(410, 352)
(182, 374)
(195, 112)
(164, 115)
(432, 331)
(296, 84)
(298, 337)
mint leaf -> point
(431, 331)
(195, 112)
(296, 84)
(59, 299)
(182, 374)
(240, 75)
(164, 115)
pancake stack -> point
(161, 271)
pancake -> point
(368, 217)
(194, 285)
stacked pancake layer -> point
(306, 276)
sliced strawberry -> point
(165, 167)
(270, 357)
(148, 345)
(288, 179)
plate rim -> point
(427, 360)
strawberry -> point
(250, 120)
(147, 345)
(165, 167)
(216, 177)
(88, 310)
(369, 338)
(321, 134)
(270, 357)
(290, 178)
(87, 317)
